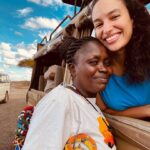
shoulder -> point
(59, 96)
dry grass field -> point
(9, 112)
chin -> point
(116, 47)
(98, 89)
(102, 87)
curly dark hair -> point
(71, 45)
(137, 61)
(138, 49)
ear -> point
(72, 69)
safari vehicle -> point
(4, 88)
(131, 134)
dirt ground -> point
(9, 112)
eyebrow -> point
(114, 10)
(95, 57)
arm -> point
(135, 112)
(100, 103)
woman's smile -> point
(102, 79)
(93, 69)
(113, 38)
(113, 24)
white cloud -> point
(40, 22)
(15, 77)
(2, 70)
(9, 54)
(32, 48)
(46, 33)
(25, 51)
(10, 61)
(10, 57)
(5, 46)
(20, 75)
(28, 72)
(6, 66)
(6, 50)
(46, 2)
(24, 12)
(18, 33)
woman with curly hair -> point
(123, 26)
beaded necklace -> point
(78, 92)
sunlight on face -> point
(92, 68)
(112, 23)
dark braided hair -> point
(71, 45)
(137, 61)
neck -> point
(119, 62)
(83, 92)
(119, 57)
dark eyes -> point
(98, 25)
(107, 62)
(114, 17)
(93, 63)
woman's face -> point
(113, 25)
(91, 69)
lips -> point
(102, 80)
(113, 38)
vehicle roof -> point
(79, 2)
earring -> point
(67, 76)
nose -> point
(102, 68)
(107, 28)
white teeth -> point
(112, 38)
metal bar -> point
(59, 26)
(45, 38)
(75, 7)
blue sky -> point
(23, 24)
